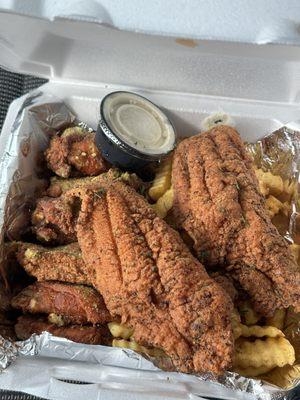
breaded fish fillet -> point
(63, 263)
(27, 325)
(75, 304)
(148, 277)
(218, 204)
(75, 150)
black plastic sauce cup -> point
(121, 154)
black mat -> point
(13, 86)
(7, 395)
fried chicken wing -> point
(58, 186)
(27, 325)
(75, 150)
(75, 304)
(148, 277)
(53, 220)
(63, 263)
(218, 204)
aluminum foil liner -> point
(279, 153)
(39, 117)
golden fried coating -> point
(218, 204)
(58, 186)
(148, 277)
(75, 304)
(75, 150)
(63, 263)
(226, 283)
(27, 325)
(53, 220)
(54, 217)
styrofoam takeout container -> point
(259, 86)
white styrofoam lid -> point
(255, 21)
(81, 50)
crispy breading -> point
(75, 150)
(53, 220)
(76, 304)
(27, 325)
(218, 204)
(58, 186)
(148, 277)
(63, 263)
(226, 283)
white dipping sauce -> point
(139, 123)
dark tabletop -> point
(12, 86)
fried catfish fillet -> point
(27, 325)
(218, 204)
(226, 283)
(148, 277)
(75, 304)
(75, 150)
(63, 263)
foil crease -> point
(39, 117)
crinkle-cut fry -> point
(284, 377)
(264, 190)
(120, 330)
(133, 345)
(260, 331)
(278, 319)
(249, 316)
(295, 249)
(162, 180)
(273, 206)
(286, 208)
(252, 372)
(289, 187)
(240, 329)
(269, 183)
(164, 203)
(271, 352)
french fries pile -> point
(260, 348)
(161, 189)
(279, 194)
(264, 349)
